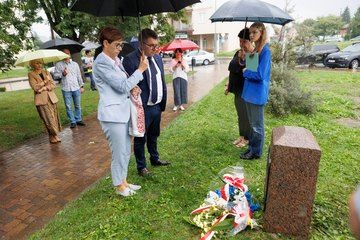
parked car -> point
(317, 54)
(349, 57)
(334, 39)
(201, 57)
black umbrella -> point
(128, 48)
(252, 11)
(134, 8)
(62, 43)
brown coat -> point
(37, 83)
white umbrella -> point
(88, 45)
(47, 55)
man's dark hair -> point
(247, 34)
(87, 51)
(147, 33)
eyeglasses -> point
(120, 45)
(152, 46)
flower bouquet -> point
(227, 210)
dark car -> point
(349, 57)
(317, 54)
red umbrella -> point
(184, 44)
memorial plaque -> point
(292, 169)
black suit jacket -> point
(131, 63)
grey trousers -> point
(243, 119)
(180, 91)
(120, 145)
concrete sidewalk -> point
(38, 179)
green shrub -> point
(286, 96)
(2, 89)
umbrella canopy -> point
(184, 44)
(61, 43)
(127, 48)
(132, 8)
(252, 11)
(88, 45)
(47, 55)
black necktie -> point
(154, 93)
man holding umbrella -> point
(153, 96)
(72, 87)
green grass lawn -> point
(199, 144)
(168, 77)
(14, 73)
(20, 121)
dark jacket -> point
(131, 63)
(236, 78)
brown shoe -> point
(144, 172)
(58, 139)
(53, 140)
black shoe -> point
(72, 125)
(81, 123)
(144, 172)
(160, 163)
(248, 155)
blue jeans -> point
(257, 132)
(69, 97)
(92, 82)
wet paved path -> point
(38, 179)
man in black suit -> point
(153, 97)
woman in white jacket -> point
(114, 86)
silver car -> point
(201, 57)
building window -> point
(202, 18)
(205, 43)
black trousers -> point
(152, 132)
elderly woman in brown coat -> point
(45, 99)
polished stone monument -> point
(292, 169)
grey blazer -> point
(114, 88)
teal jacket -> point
(256, 86)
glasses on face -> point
(152, 46)
(120, 45)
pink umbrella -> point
(184, 44)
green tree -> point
(345, 15)
(16, 17)
(329, 25)
(355, 24)
(80, 26)
(305, 37)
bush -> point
(286, 96)
(2, 89)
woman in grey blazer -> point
(114, 85)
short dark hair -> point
(147, 33)
(178, 50)
(87, 51)
(247, 34)
(110, 34)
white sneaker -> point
(175, 108)
(182, 108)
(126, 192)
(134, 187)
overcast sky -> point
(315, 8)
(302, 9)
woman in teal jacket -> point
(256, 92)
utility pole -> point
(216, 35)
